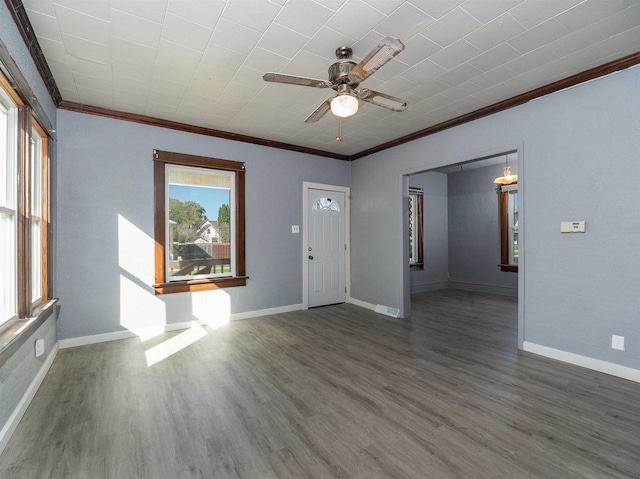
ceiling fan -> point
(345, 76)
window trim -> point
(162, 286)
(24, 211)
(11, 208)
(45, 213)
(419, 264)
(28, 315)
(505, 263)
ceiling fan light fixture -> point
(344, 105)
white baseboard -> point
(13, 421)
(153, 331)
(584, 361)
(266, 312)
(362, 304)
(126, 334)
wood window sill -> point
(416, 266)
(513, 268)
(199, 285)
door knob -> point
(310, 257)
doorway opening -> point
(469, 235)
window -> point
(39, 185)
(24, 210)
(189, 192)
(416, 206)
(8, 206)
(509, 227)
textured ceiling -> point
(201, 61)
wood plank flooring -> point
(332, 392)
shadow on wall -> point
(145, 314)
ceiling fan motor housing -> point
(339, 70)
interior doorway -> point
(471, 228)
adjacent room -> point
(319, 238)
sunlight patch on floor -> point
(171, 346)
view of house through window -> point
(200, 223)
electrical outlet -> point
(295, 229)
(39, 347)
(617, 342)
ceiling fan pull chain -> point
(339, 137)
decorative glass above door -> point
(326, 204)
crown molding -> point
(23, 24)
(588, 75)
(585, 76)
(199, 130)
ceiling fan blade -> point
(320, 111)
(382, 99)
(388, 48)
(294, 80)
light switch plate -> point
(295, 229)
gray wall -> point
(578, 154)
(435, 226)
(18, 372)
(105, 225)
(474, 232)
(20, 369)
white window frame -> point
(36, 214)
(232, 215)
(8, 209)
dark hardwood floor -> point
(332, 392)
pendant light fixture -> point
(507, 177)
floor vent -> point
(382, 309)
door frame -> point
(306, 186)
(517, 147)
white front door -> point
(326, 247)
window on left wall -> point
(8, 206)
(24, 209)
